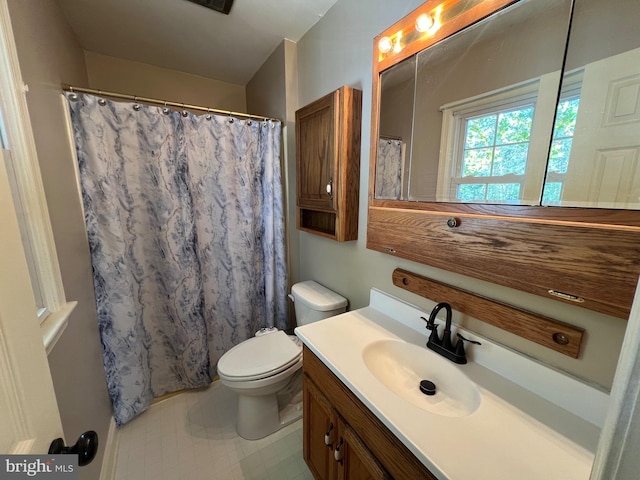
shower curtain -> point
(389, 169)
(184, 216)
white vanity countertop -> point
(514, 433)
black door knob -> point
(86, 448)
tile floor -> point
(192, 436)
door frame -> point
(620, 436)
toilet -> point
(266, 370)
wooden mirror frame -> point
(589, 257)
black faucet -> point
(444, 346)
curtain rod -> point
(102, 93)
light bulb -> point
(424, 22)
(385, 45)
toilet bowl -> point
(266, 371)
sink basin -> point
(401, 366)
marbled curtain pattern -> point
(389, 169)
(185, 222)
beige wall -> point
(267, 90)
(594, 20)
(273, 91)
(134, 78)
(49, 57)
(337, 51)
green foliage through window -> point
(563, 130)
(495, 145)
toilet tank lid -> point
(317, 297)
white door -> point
(603, 167)
(29, 417)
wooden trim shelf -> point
(544, 331)
(597, 265)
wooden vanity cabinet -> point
(328, 165)
(343, 439)
(320, 432)
(355, 460)
(331, 448)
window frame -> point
(571, 88)
(540, 92)
(463, 117)
(29, 197)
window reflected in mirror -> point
(493, 159)
(476, 109)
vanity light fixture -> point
(427, 24)
(424, 22)
(385, 45)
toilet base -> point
(260, 416)
(266, 405)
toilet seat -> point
(259, 357)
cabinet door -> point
(320, 432)
(355, 461)
(317, 153)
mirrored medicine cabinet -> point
(505, 143)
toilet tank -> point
(314, 302)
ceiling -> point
(188, 37)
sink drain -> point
(427, 387)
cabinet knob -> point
(330, 188)
(453, 222)
(327, 436)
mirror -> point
(396, 130)
(471, 118)
(457, 106)
(596, 144)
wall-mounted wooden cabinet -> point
(328, 165)
(343, 439)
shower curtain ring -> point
(101, 101)
(230, 117)
(73, 96)
(165, 110)
(136, 106)
(184, 112)
(208, 117)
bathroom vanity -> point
(338, 428)
(502, 415)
